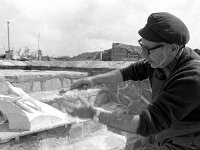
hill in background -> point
(118, 52)
(87, 56)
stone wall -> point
(35, 80)
(127, 94)
(132, 96)
(127, 97)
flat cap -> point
(165, 27)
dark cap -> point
(165, 27)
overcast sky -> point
(71, 27)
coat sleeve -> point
(136, 71)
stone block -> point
(66, 82)
(94, 126)
(113, 141)
(76, 131)
(115, 108)
(122, 84)
(133, 142)
(147, 95)
(103, 141)
(145, 84)
(36, 86)
(100, 99)
(26, 86)
(85, 130)
(124, 99)
(131, 91)
(113, 98)
(73, 95)
(4, 89)
(52, 84)
(113, 87)
(56, 105)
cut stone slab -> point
(20, 119)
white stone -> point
(20, 119)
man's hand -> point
(83, 83)
(82, 110)
(23, 100)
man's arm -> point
(128, 123)
(109, 77)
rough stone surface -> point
(84, 64)
(93, 126)
(125, 100)
(127, 97)
(66, 138)
(66, 82)
(36, 86)
(52, 84)
(4, 88)
(101, 99)
(34, 80)
(26, 86)
(76, 132)
(107, 141)
(130, 90)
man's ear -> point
(175, 47)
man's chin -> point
(152, 65)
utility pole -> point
(39, 41)
(39, 51)
(8, 36)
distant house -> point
(121, 52)
(106, 55)
(9, 54)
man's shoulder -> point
(188, 65)
(192, 53)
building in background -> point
(121, 52)
(106, 55)
(9, 54)
(39, 55)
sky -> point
(71, 27)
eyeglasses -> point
(147, 50)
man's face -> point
(158, 57)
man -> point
(174, 74)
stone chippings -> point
(70, 138)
